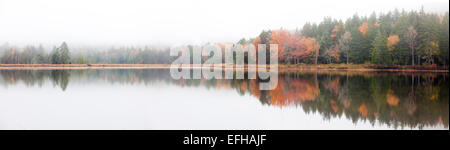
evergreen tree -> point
(380, 51)
(444, 37)
(61, 55)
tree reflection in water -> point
(399, 99)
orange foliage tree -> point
(334, 32)
(333, 53)
(392, 41)
(280, 37)
(363, 28)
(307, 47)
(291, 45)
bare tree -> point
(410, 38)
(344, 43)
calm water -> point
(151, 99)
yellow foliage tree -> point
(392, 41)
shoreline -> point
(281, 67)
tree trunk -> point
(418, 59)
(347, 57)
(412, 55)
(316, 60)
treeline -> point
(124, 55)
(394, 38)
(401, 38)
(62, 55)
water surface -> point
(151, 99)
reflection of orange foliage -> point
(439, 121)
(392, 100)
(346, 102)
(134, 79)
(411, 108)
(363, 28)
(244, 86)
(223, 84)
(303, 90)
(363, 110)
(334, 106)
(292, 92)
(432, 92)
(203, 82)
(277, 97)
(254, 89)
(334, 86)
(182, 82)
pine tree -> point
(380, 51)
(65, 54)
(444, 37)
(61, 55)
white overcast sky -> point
(168, 22)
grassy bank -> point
(364, 67)
(282, 67)
(87, 65)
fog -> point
(169, 22)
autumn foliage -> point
(334, 32)
(392, 41)
(363, 28)
(291, 46)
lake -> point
(151, 99)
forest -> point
(393, 38)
